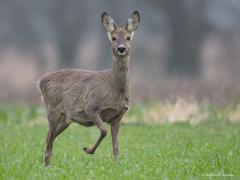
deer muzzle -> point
(121, 50)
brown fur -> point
(73, 92)
(88, 97)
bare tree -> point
(67, 19)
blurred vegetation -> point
(20, 114)
(182, 110)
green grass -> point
(147, 151)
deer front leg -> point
(114, 131)
(103, 132)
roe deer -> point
(91, 97)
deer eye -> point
(113, 38)
(128, 38)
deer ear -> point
(133, 21)
(108, 22)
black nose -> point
(121, 49)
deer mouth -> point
(121, 53)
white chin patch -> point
(121, 53)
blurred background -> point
(183, 48)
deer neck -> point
(120, 75)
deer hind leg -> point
(57, 124)
(103, 132)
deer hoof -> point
(46, 163)
(88, 150)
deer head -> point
(120, 37)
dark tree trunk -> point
(186, 31)
(68, 22)
(67, 48)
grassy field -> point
(147, 151)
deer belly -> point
(81, 118)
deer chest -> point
(114, 113)
(110, 114)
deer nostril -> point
(121, 49)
